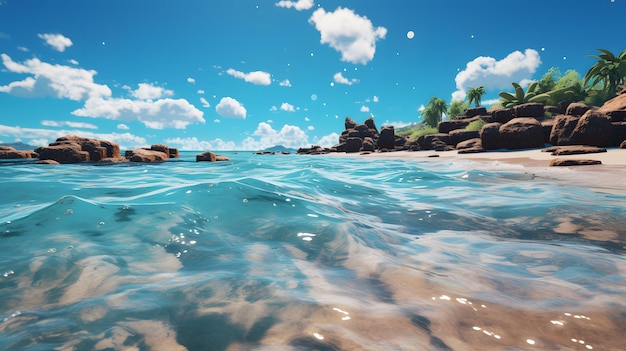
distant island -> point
(279, 148)
(18, 146)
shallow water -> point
(308, 253)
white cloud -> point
(375, 98)
(122, 126)
(56, 41)
(285, 83)
(339, 78)
(307, 119)
(191, 80)
(273, 108)
(328, 140)
(396, 124)
(74, 62)
(149, 92)
(229, 107)
(256, 77)
(287, 107)
(159, 114)
(204, 102)
(200, 92)
(217, 120)
(41, 137)
(365, 109)
(197, 145)
(496, 75)
(288, 136)
(298, 5)
(52, 80)
(70, 124)
(310, 128)
(345, 31)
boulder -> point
(206, 156)
(521, 133)
(47, 162)
(623, 145)
(615, 104)
(475, 111)
(459, 135)
(490, 136)
(618, 133)
(146, 155)
(387, 138)
(454, 124)
(9, 152)
(576, 150)
(169, 151)
(63, 153)
(562, 129)
(576, 109)
(349, 123)
(317, 150)
(369, 122)
(593, 128)
(546, 127)
(220, 158)
(73, 149)
(572, 162)
(367, 145)
(472, 150)
(502, 115)
(531, 109)
(617, 116)
(354, 144)
(426, 141)
(468, 144)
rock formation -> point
(9, 152)
(74, 149)
(156, 153)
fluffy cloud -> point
(159, 114)
(122, 126)
(41, 137)
(198, 145)
(285, 83)
(256, 77)
(148, 92)
(57, 41)
(365, 109)
(494, 74)
(52, 80)
(191, 80)
(298, 5)
(345, 31)
(288, 136)
(328, 140)
(339, 78)
(70, 124)
(287, 107)
(204, 102)
(229, 107)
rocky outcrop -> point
(74, 149)
(574, 150)
(9, 152)
(426, 141)
(623, 145)
(387, 138)
(531, 109)
(475, 111)
(156, 153)
(576, 109)
(453, 124)
(459, 135)
(502, 115)
(318, 150)
(361, 137)
(560, 162)
(209, 156)
(521, 133)
(490, 136)
(593, 128)
(368, 145)
(562, 128)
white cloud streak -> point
(354, 36)
(58, 42)
(81, 125)
(148, 92)
(298, 5)
(256, 77)
(339, 78)
(195, 144)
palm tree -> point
(435, 108)
(610, 70)
(475, 95)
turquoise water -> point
(308, 253)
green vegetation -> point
(425, 130)
(434, 111)
(610, 70)
(521, 97)
(476, 125)
(416, 130)
(475, 95)
(457, 108)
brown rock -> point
(369, 122)
(576, 109)
(354, 144)
(615, 104)
(531, 109)
(593, 128)
(502, 115)
(9, 152)
(572, 162)
(146, 155)
(623, 145)
(546, 127)
(206, 156)
(475, 111)
(74, 148)
(426, 141)
(367, 145)
(63, 153)
(490, 136)
(349, 123)
(220, 158)
(387, 138)
(459, 135)
(521, 133)
(454, 124)
(472, 150)
(47, 162)
(577, 150)
(468, 144)
(562, 129)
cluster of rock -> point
(365, 138)
(76, 149)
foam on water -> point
(306, 253)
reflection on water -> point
(293, 255)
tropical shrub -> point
(521, 97)
(476, 125)
(457, 108)
(610, 70)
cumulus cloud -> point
(285, 83)
(298, 5)
(339, 78)
(288, 136)
(256, 77)
(230, 108)
(52, 80)
(148, 92)
(159, 114)
(195, 144)
(352, 35)
(365, 109)
(285, 106)
(40, 136)
(70, 124)
(328, 140)
(191, 80)
(122, 126)
(204, 102)
(57, 41)
(493, 74)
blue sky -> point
(243, 74)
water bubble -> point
(410, 34)
(314, 97)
